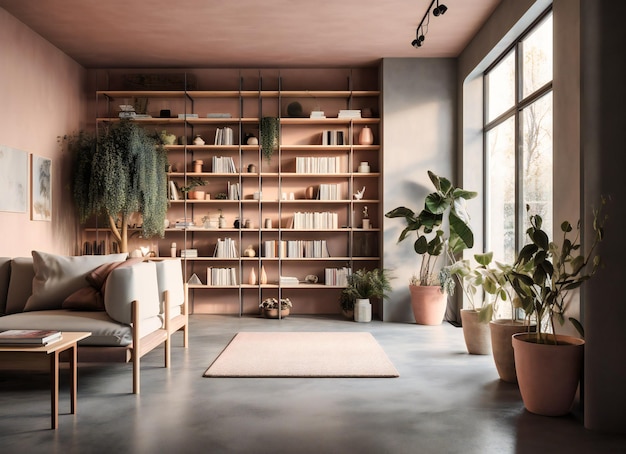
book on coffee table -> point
(29, 336)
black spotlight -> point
(417, 42)
(439, 9)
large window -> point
(518, 140)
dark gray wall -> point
(603, 139)
(589, 128)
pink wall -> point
(42, 98)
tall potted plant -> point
(119, 172)
(548, 364)
(429, 289)
(363, 285)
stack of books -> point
(337, 276)
(224, 136)
(349, 113)
(225, 248)
(29, 337)
(189, 253)
(317, 114)
(223, 164)
(288, 280)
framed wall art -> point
(41, 189)
(13, 180)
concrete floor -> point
(445, 401)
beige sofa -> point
(139, 306)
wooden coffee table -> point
(19, 356)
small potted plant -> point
(192, 183)
(363, 285)
(270, 308)
(487, 282)
(428, 290)
(542, 277)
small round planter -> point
(362, 310)
(428, 303)
(548, 374)
(273, 313)
(476, 333)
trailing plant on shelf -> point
(119, 172)
(546, 271)
(270, 127)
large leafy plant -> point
(119, 172)
(447, 202)
(546, 271)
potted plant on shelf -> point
(270, 127)
(269, 307)
(120, 172)
(429, 290)
(189, 189)
(363, 285)
(548, 364)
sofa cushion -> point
(170, 277)
(91, 298)
(132, 283)
(104, 331)
(58, 276)
(21, 284)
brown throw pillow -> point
(91, 298)
(84, 299)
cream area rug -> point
(306, 354)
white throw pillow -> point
(58, 276)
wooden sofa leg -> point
(168, 338)
(136, 357)
(186, 314)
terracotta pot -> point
(476, 333)
(548, 374)
(502, 331)
(428, 303)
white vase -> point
(362, 310)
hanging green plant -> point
(118, 173)
(269, 136)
